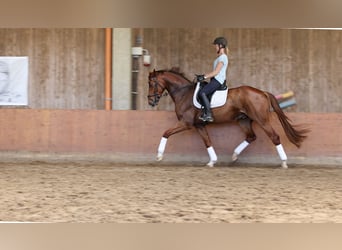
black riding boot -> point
(206, 116)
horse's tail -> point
(295, 135)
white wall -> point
(122, 69)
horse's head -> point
(171, 80)
(156, 87)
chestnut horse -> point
(244, 105)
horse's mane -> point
(176, 71)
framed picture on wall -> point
(13, 80)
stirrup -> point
(206, 118)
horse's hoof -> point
(284, 164)
(234, 156)
(159, 157)
(211, 164)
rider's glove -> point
(200, 78)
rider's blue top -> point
(221, 76)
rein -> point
(180, 88)
(156, 84)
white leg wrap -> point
(212, 154)
(281, 152)
(162, 146)
(241, 147)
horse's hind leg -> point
(276, 141)
(260, 113)
(206, 139)
(246, 126)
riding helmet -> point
(221, 41)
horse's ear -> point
(152, 73)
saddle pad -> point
(218, 99)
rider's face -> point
(217, 47)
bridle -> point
(157, 86)
(156, 95)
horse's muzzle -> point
(153, 100)
(152, 103)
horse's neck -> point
(174, 87)
(178, 90)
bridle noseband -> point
(156, 94)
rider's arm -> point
(215, 72)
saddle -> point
(217, 99)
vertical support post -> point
(108, 68)
(122, 69)
(135, 68)
(135, 74)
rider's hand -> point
(200, 78)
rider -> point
(217, 77)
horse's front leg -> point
(180, 126)
(206, 139)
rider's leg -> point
(206, 116)
(208, 89)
